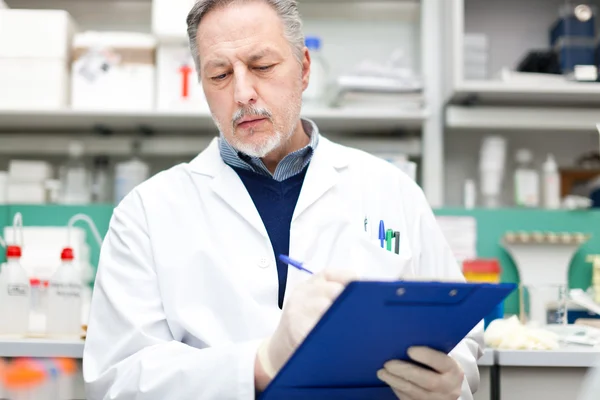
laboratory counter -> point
(526, 374)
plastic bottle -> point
(315, 92)
(527, 181)
(129, 174)
(75, 177)
(64, 299)
(15, 295)
(101, 181)
(551, 183)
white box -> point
(169, 19)
(113, 71)
(35, 52)
(26, 193)
(177, 81)
(36, 34)
(22, 171)
(29, 84)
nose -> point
(245, 91)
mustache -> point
(250, 111)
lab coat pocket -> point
(340, 245)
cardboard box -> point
(113, 71)
(35, 52)
(177, 81)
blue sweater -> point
(275, 202)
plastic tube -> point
(85, 218)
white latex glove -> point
(307, 303)
(412, 382)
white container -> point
(35, 52)
(169, 19)
(26, 193)
(317, 86)
(128, 175)
(178, 88)
(3, 187)
(551, 184)
(24, 171)
(15, 296)
(76, 179)
(470, 194)
(113, 71)
(492, 160)
(527, 181)
(64, 299)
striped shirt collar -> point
(291, 165)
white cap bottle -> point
(15, 295)
(551, 183)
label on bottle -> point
(72, 290)
(18, 289)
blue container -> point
(575, 51)
(574, 23)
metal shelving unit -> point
(41, 348)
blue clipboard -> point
(371, 323)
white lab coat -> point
(187, 283)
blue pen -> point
(293, 263)
(381, 233)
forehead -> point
(240, 27)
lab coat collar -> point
(321, 176)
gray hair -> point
(286, 9)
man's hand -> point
(302, 311)
(411, 382)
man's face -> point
(251, 78)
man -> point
(190, 302)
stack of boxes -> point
(476, 55)
(27, 182)
(35, 54)
(45, 64)
(573, 38)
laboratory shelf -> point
(342, 119)
(486, 118)
(567, 94)
(41, 348)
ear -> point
(305, 68)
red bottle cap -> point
(13, 252)
(482, 266)
(67, 254)
(35, 282)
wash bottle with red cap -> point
(64, 299)
(15, 295)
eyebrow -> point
(261, 54)
(251, 59)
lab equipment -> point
(470, 194)
(114, 71)
(406, 314)
(101, 189)
(526, 181)
(575, 20)
(491, 169)
(551, 184)
(75, 177)
(177, 80)
(15, 295)
(64, 299)
(34, 72)
(317, 86)
(542, 260)
(129, 174)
